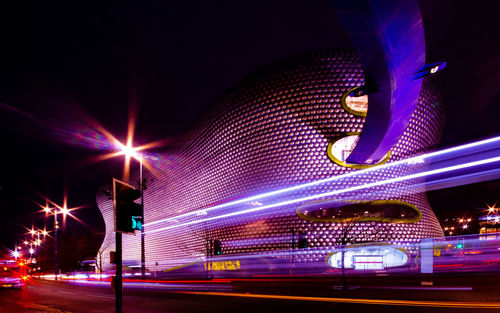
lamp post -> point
(143, 252)
(129, 151)
(56, 226)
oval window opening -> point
(354, 102)
(340, 149)
(386, 211)
(373, 257)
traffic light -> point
(128, 214)
(217, 247)
(302, 242)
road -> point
(50, 296)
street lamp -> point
(56, 227)
(16, 253)
(129, 152)
(64, 210)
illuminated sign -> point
(222, 265)
(363, 262)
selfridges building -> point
(236, 178)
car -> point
(11, 275)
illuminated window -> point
(356, 104)
(339, 150)
(368, 257)
(359, 104)
(342, 148)
(386, 211)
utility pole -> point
(128, 218)
(118, 280)
(143, 235)
(56, 227)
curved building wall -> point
(269, 132)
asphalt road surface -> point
(49, 296)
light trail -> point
(338, 192)
(410, 161)
(410, 303)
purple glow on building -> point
(267, 134)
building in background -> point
(292, 122)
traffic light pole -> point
(118, 280)
(56, 227)
(128, 219)
(143, 252)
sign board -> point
(368, 262)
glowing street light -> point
(129, 152)
(64, 210)
(16, 253)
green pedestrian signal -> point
(217, 247)
(136, 222)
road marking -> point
(71, 293)
(442, 304)
(105, 297)
(419, 288)
(42, 307)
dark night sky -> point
(176, 58)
